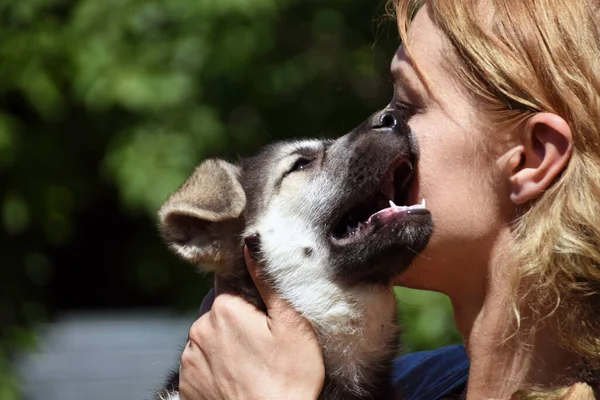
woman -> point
(504, 96)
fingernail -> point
(253, 243)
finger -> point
(267, 294)
(277, 308)
(198, 333)
(193, 368)
(201, 337)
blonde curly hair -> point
(518, 58)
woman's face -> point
(461, 182)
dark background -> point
(105, 108)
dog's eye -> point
(300, 164)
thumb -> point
(279, 311)
(267, 293)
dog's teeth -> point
(420, 205)
(348, 229)
(392, 204)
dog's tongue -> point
(391, 213)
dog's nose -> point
(384, 120)
(392, 121)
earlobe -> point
(545, 151)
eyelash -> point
(407, 110)
(299, 165)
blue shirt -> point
(432, 375)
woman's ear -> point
(544, 152)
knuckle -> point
(224, 307)
(188, 361)
(199, 330)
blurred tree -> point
(426, 319)
(106, 106)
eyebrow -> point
(304, 149)
(300, 148)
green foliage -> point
(106, 106)
(427, 320)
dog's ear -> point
(202, 220)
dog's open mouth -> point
(385, 207)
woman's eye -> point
(300, 164)
(407, 110)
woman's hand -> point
(237, 352)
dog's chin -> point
(381, 250)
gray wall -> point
(103, 356)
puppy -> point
(333, 222)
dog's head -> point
(310, 202)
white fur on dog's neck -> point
(355, 325)
(171, 396)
